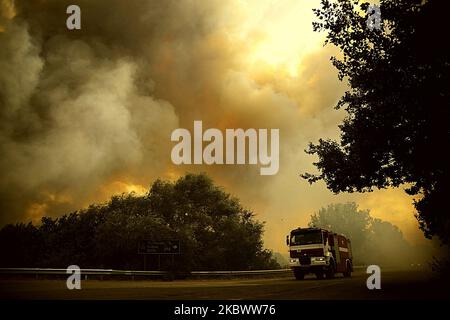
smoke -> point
(74, 112)
(89, 112)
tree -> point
(20, 245)
(215, 232)
(387, 245)
(374, 241)
(397, 129)
(345, 219)
(213, 224)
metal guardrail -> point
(133, 273)
(111, 272)
(51, 271)
(242, 273)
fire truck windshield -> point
(306, 237)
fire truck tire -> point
(348, 270)
(298, 274)
(330, 272)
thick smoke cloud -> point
(89, 112)
(74, 112)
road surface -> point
(395, 284)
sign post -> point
(160, 247)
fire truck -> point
(319, 251)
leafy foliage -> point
(215, 232)
(397, 129)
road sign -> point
(159, 247)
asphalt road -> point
(395, 284)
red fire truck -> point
(319, 251)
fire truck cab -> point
(319, 251)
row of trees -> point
(215, 232)
(374, 241)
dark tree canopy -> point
(397, 128)
(215, 232)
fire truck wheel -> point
(298, 274)
(330, 272)
(348, 270)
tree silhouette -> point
(397, 128)
(374, 241)
(215, 232)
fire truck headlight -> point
(320, 259)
